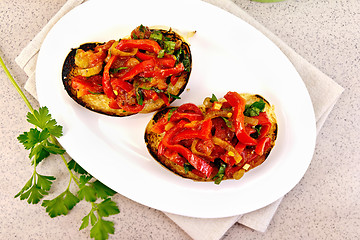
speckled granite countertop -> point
(324, 205)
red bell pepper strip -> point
(139, 68)
(262, 145)
(143, 44)
(117, 82)
(188, 133)
(87, 85)
(143, 56)
(197, 162)
(108, 90)
(170, 71)
(187, 111)
(238, 103)
(240, 147)
(173, 156)
(174, 79)
(189, 108)
(159, 126)
(165, 98)
(132, 108)
(113, 104)
(265, 123)
(176, 116)
(166, 62)
(150, 94)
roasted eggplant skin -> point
(100, 102)
(152, 141)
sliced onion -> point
(228, 147)
(88, 72)
(215, 114)
(82, 58)
(237, 175)
(195, 151)
(251, 121)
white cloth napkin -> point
(324, 93)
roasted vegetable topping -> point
(143, 68)
(216, 141)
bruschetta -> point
(221, 139)
(139, 74)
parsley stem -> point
(76, 180)
(12, 80)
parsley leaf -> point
(61, 204)
(169, 46)
(171, 112)
(254, 109)
(88, 193)
(227, 122)
(213, 98)
(101, 190)
(161, 53)
(35, 188)
(37, 141)
(156, 35)
(72, 165)
(188, 167)
(107, 208)
(257, 133)
(102, 229)
(42, 119)
(220, 175)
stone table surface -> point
(325, 203)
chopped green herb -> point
(115, 70)
(188, 167)
(254, 109)
(139, 97)
(187, 63)
(227, 122)
(220, 175)
(178, 54)
(169, 46)
(141, 28)
(213, 98)
(182, 57)
(173, 96)
(147, 79)
(95, 93)
(171, 112)
(161, 53)
(257, 133)
(134, 36)
(156, 35)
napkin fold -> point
(323, 91)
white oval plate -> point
(228, 55)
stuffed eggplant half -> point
(221, 139)
(139, 74)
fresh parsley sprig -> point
(41, 142)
